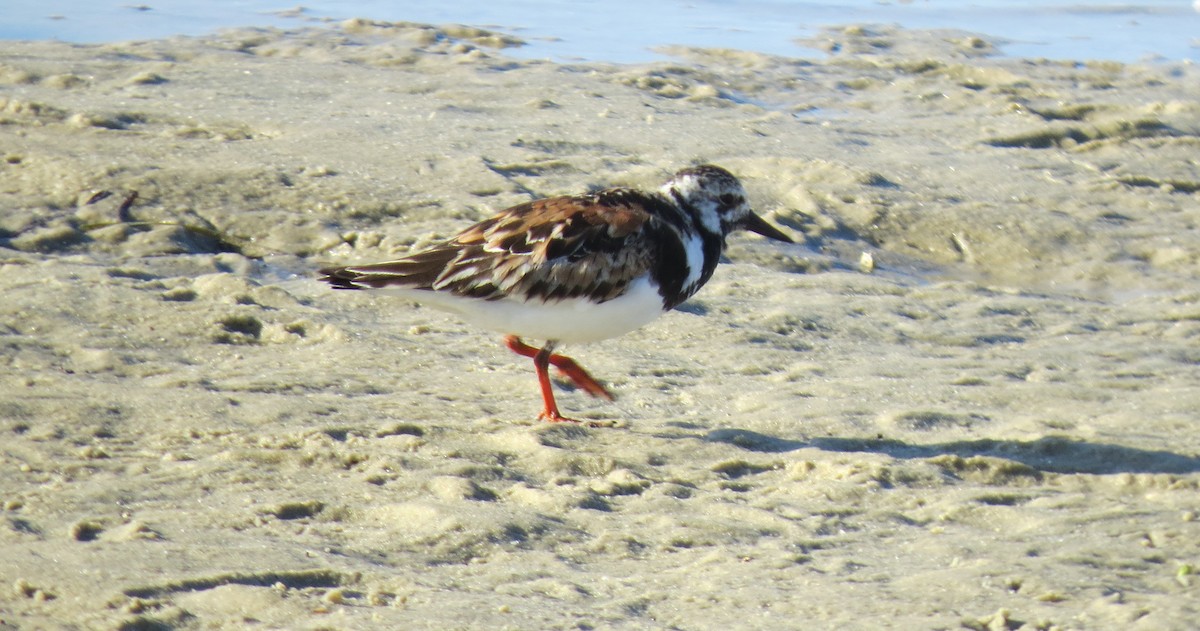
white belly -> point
(569, 321)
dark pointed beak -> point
(758, 225)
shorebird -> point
(578, 268)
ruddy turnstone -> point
(576, 268)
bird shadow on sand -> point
(1051, 454)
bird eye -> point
(729, 200)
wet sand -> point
(966, 399)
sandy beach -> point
(965, 398)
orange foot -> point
(564, 364)
(542, 359)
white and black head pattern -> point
(715, 198)
(710, 203)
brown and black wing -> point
(554, 248)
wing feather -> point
(548, 249)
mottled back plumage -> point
(548, 249)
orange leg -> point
(542, 359)
(566, 365)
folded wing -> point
(547, 249)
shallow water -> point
(628, 31)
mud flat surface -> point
(967, 399)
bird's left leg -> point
(566, 365)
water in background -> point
(628, 30)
